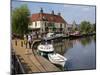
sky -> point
(70, 13)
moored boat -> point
(56, 58)
(46, 49)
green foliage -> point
(85, 27)
(20, 20)
(94, 27)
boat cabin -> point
(45, 48)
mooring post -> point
(16, 42)
(21, 43)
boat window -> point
(45, 42)
(51, 52)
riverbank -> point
(82, 35)
(69, 36)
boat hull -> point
(60, 61)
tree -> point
(94, 27)
(85, 27)
(20, 20)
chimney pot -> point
(41, 11)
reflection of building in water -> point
(68, 43)
(63, 46)
(76, 41)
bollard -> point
(21, 43)
(16, 42)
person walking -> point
(29, 40)
(26, 40)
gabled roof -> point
(47, 17)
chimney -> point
(52, 12)
(59, 14)
(41, 11)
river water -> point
(81, 53)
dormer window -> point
(44, 18)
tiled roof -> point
(47, 17)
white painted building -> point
(45, 22)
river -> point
(81, 53)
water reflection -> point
(79, 52)
(85, 41)
(94, 38)
(62, 46)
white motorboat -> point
(45, 48)
(55, 35)
(56, 58)
(49, 35)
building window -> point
(60, 25)
(35, 24)
(45, 24)
(61, 29)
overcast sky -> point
(68, 12)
